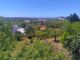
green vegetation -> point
(71, 40)
(59, 41)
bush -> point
(40, 51)
(71, 40)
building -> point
(61, 18)
(18, 29)
(27, 21)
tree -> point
(73, 17)
(30, 32)
(71, 40)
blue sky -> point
(39, 8)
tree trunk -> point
(55, 38)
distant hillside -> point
(26, 18)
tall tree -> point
(73, 17)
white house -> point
(21, 30)
(27, 21)
(18, 29)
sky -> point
(39, 8)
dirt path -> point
(58, 47)
(55, 45)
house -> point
(18, 29)
(27, 21)
(21, 30)
(61, 18)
